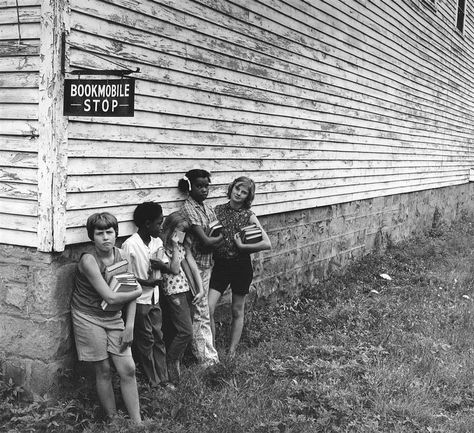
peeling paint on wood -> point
(320, 102)
(52, 168)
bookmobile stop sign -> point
(106, 98)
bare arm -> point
(129, 254)
(174, 264)
(264, 244)
(89, 267)
(207, 241)
(127, 334)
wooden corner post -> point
(52, 144)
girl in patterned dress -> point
(177, 290)
(233, 265)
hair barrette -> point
(189, 182)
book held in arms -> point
(190, 277)
(119, 267)
(124, 282)
(251, 234)
(215, 228)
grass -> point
(356, 353)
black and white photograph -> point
(259, 212)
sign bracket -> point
(117, 72)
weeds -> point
(355, 353)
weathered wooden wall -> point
(19, 66)
(320, 102)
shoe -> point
(210, 363)
(174, 371)
(168, 386)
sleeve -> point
(128, 254)
(190, 214)
(212, 214)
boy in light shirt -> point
(142, 246)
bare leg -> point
(213, 298)
(238, 309)
(103, 383)
(128, 385)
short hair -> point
(184, 184)
(172, 221)
(249, 183)
(101, 221)
(147, 211)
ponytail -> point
(185, 183)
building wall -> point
(35, 335)
(354, 118)
(320, 102)
(19, 97)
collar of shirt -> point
(199, 206)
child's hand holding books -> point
(158, 263)
(124, 282)
(251, 234)
(215, 228)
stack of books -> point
(215, 228)
(119, 267)
(125, 282)
(251, 234)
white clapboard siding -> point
(16, 96)
(19, 207)
(19, 222)
(319, 102)
(342, 139)
(267, 192)
(336, 176)
(18, 190)
(297, 149)
(248, 68)
(219, 36)
(78, 234)
(26, 14)
(281, 94)
(189, 40)
(19, 175)
(225, 124)
(18, 237)
(19, 68)
(22, 3)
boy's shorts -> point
(237, 272)
(96, 337)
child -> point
(101, 334)
(177, 290)
(199, 215)
(141, 247)
(232, 259)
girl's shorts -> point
(96, 337)
(237, 272)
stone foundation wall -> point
(309, 244)
(35, 337)
(35, 288)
